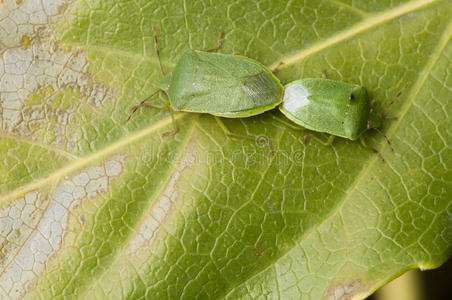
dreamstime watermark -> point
(238, 152)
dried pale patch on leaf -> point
(33, 229)
(164, 204)
(26, 18)
(40, 69)
(350, 290)
(33, 64)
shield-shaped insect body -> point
(324, 105)
(223, 85)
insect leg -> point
(157, 49)
(275, 69)
(295, 127)
(176, 129)
(386, 138)
(229, 133)
(363, 142)
(219, 42)
(327, 143)
(399, 93)
(145, 103)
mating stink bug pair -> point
(234, 86)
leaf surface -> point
(92, 206)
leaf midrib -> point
(83, 161)
(369, 22)
(50, 148)
(159, 191)
(366, 24)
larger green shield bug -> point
(221, 85)
(339, 108)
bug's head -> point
(374, 120)
(164, 83)
(357, 111)
(358, 96)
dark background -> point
(437, 283)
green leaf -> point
(92, 206)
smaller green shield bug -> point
(339, 108)
(222, 85)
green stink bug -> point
(338, 108)
(222, 85)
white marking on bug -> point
(32, 228)
(295, 97)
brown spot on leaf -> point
(345, 291)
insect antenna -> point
(399, 93)
(363, 142)
(157, 49)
